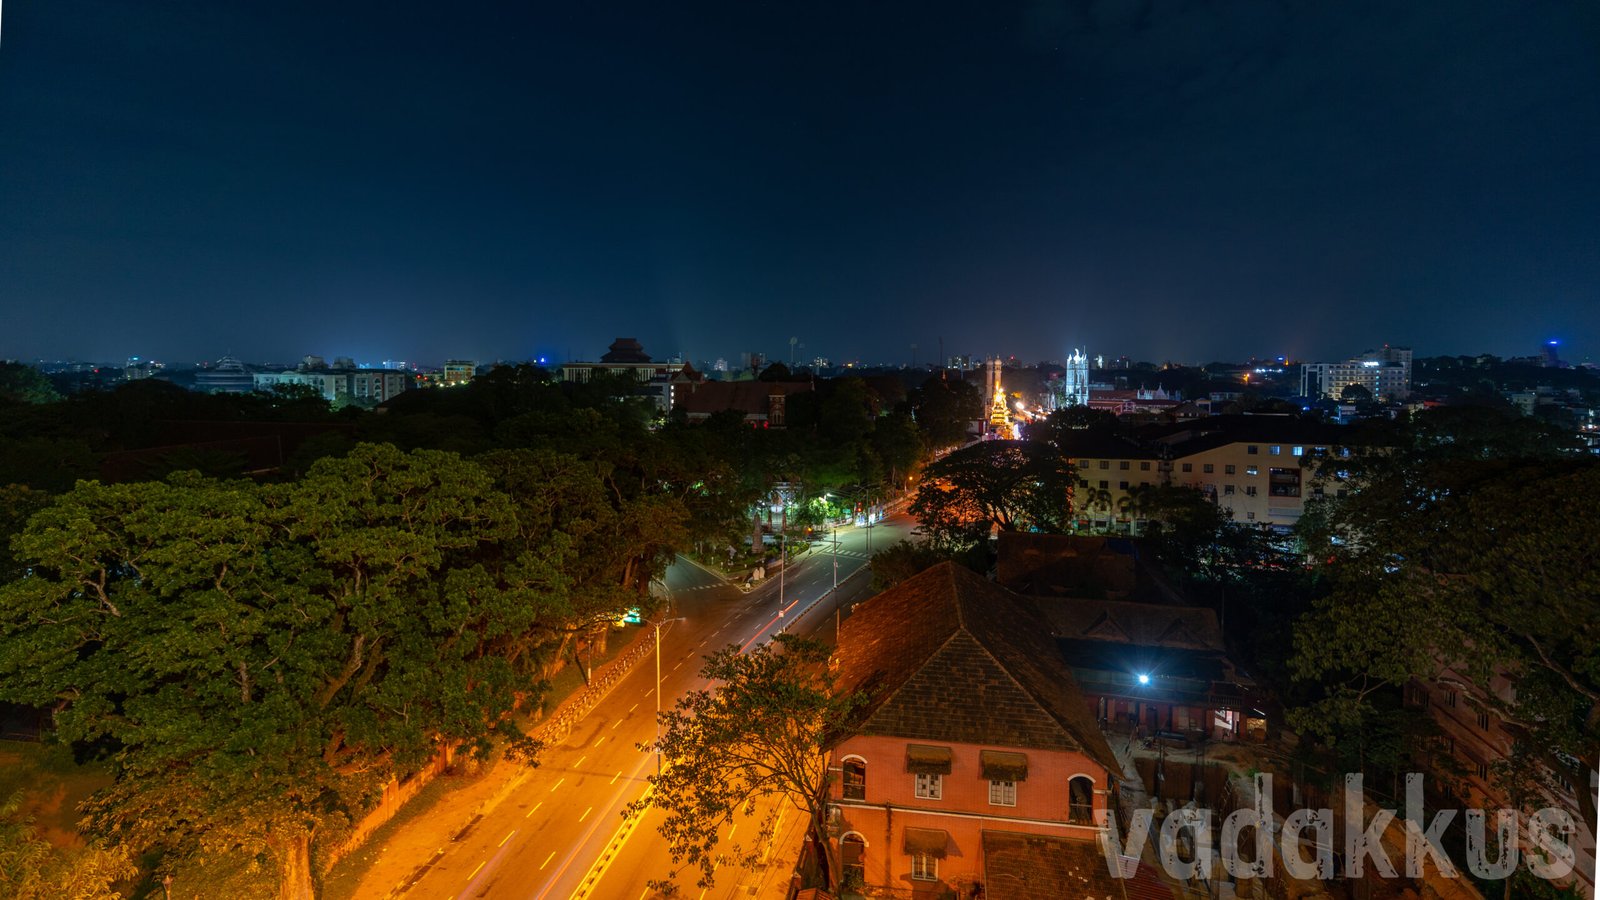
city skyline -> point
(391, 180)
(804, 359)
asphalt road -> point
(546, 839)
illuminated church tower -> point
(1075, 384)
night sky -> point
(1186, 181)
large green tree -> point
(757, 736)
(945, 409)
(258, 660)
(1469, 545)
(25, 384)
(1010, 485)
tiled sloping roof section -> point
(1030, 867)
(1127, 622)
(948, 656)
(748, 397)
(1047, 564)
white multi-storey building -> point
(1385, 373)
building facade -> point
(1472, 737)
(367, 386)
(1385, 374)
(1261, 468)
(973, 744)
(458, 372)
(626, 356)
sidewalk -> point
(770, 881)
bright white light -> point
(1143, 678)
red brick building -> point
(975, 769)
(1473, 736)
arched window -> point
(1080, 799)
(853, 859)
(855, 778)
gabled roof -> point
(748, 397)
(1129, 622)
(947, 656)
(1059, 565)
(1106, 628)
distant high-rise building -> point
(1385, 373)
(139, 368)
(1549, 355)
(721, 365)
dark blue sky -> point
(1183, 181)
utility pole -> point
(783, 551)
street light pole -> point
(658, 689)
(658, 700)
(783, 567)
(869, 526)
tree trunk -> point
(295, 880)
(832, 877)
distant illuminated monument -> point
(999, 413)
(1075, 383)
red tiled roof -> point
(1138, 624)
(748, 397)
(1059, 565)
(947, 656)
(1032, 867)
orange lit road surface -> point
(560, 832)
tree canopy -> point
(257, 660)
(759, 735)
(1010, 485)
(1470, 546)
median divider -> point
(575, 708)
(613, 847)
